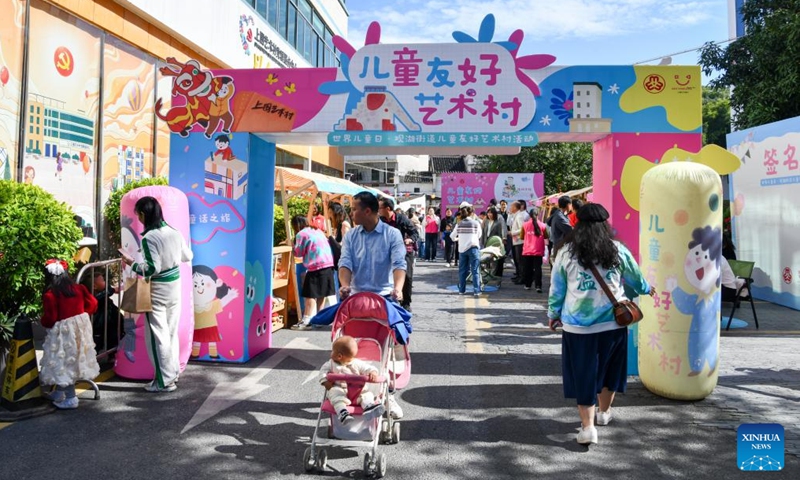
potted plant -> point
(35, 227)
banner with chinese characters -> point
(765, 210)
(477, 92)
(479, 188)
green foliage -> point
(36, 227)
(716, 116)
(111, 212)
(763, 67)
(297, 206)
(566, 166)
(6, 330)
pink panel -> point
(132, 360)
(610, 155)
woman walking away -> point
(163, 250)
(533, 252)
(593, 347)
(312, 246)
(431, 225)
(68, 347)
(446, 227)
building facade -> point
(82, 87)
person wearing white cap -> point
(468, 235)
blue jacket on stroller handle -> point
(398, 317)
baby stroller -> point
(364, 316)
(491, 254)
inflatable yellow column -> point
(681, 248)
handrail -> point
(105, 264)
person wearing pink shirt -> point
(431, 225)
(312, 246)
(535, 233)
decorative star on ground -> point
(545, 120)
(613, 89)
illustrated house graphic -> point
(587, 109)
(226, 178)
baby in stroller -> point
(492, 253)
(344, 362)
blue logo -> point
(760, 447)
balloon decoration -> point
(86, 162)
(4, 75)
(135, 95)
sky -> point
(576, 32)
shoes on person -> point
(538, 290)
(527, 288)
(373, 411)
(476, 294)
(301, 326)
(345, 417)
(587, 436)
(603, 418)
(394, 408)
(462, 293)
(153, 387)
(67, 403)
(54, 395)
(449, 264)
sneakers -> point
(54, 395)
(67, 403)
(476, 294)
(345, 417)
(587, 436)
(374, 410)
(527, 288)
(449, 264)
(153, 387)
(394, 408)
(603, 418)
(462, 293)
(304, 325)
(538, 290)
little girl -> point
(69, 353)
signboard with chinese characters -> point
(479, 188)
(765, 209)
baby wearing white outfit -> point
(343, 362)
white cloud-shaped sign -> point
(458, 87)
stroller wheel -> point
(322, 459)
(308, 463)
(396, 432)
(368, 469)
(380, 464)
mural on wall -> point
(128, 96)
(60, 124)
(766, 217)
(12, 31)
(479, 188)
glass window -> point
(305, 9)
(301, 34)
(261, 7)
(314, 49)
(37, 130)
(291, 29)
(272, 14)
(282, 14)
(319, 25)
(308, 42)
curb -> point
(9, 416)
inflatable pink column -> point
(133, 356)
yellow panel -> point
(675, 89)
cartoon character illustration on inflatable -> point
(211, 295)
(200, 90)
(131, 246)
(702, 269)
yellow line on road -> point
(473, 326)
(104, 376)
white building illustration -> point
(587, 109)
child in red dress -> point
(69, 353)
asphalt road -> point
(485, 402)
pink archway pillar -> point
(610, 155)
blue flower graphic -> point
(561, 105)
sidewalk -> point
(485, 401)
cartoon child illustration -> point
(130, 245)
(509, 188)
(702, 269)
(220, 109)
(211, 295)
(59, 166)
(224, 151)
(30, 174)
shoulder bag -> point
(626, 312)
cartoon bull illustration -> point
(198, 87)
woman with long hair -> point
(340, 224)
(593, 347)
(533, 252)
(163, 250)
